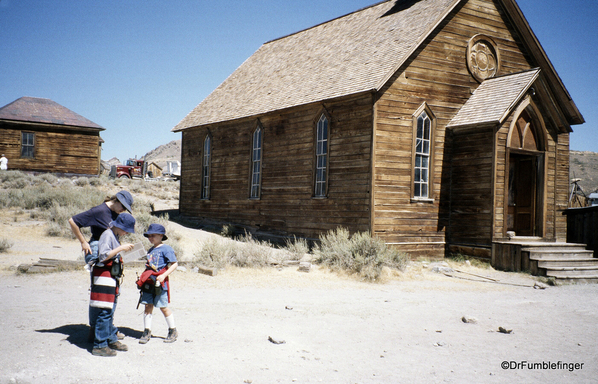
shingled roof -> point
(38, 110)
(494, 99)
(355, 53)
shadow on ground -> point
(77, 334)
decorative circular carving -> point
(483, 60)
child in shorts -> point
(161, 262)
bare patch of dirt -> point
(328, 328)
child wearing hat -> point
(106, 276)
(161, 262)
(98, 219)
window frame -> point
(429, 197)
(318, 181)
(256, 185)
(206, 168)
(30, 147)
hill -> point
(584, 166)
(166, 152)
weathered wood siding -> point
(57, 151)
(562, 187)
(438, 76)
(287, 203)
(472, 187)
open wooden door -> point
(525, 178)
(521, 215)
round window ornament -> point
(483, 59)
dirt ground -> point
(335, 329)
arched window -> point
(205, 167)
(256, 163)
(524, 134)
(321, 176)
(423, 129)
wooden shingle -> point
(494, 99)
(348, 55)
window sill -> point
(422, 200)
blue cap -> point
(124, 221)
(156, 229)
(125, 198)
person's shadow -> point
(77, 334)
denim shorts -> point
(160, 301)
(94, 251)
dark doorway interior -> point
(521, 215)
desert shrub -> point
(18, 183)
(252, 253)
(48, 178)
(57, 217)
(81, 181)
(97, 181)
(228, 230)
(5, 245)
(219, 252)
(8, 177)
(296, 248)
(359, 254)
(215, 252)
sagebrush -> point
(360, 254)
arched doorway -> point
(525, 194)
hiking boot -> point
(172, 335)
(105, 352)
(120, 335)
(147, 335)
(118, 346)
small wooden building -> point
(437, 125)
(41, 135)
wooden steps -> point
(563, 261)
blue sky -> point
(138, 67)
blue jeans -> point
(105, 331)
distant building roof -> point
(494, 99)
(38, 110)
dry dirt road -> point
(335, 329)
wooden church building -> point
(437, 125)
(40, 135)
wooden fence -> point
(582, 227)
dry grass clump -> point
(247, 252)
(5, 245)
(359, 254)
(473, 261)
(296, 248)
